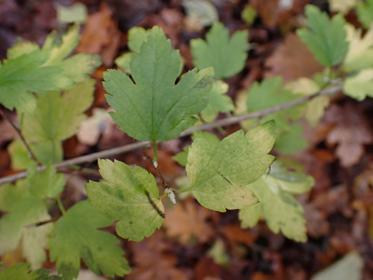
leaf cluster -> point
(153, 99)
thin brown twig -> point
(329, 91)
(21, 137)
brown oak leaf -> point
(187, 220)
(351, 132)
(154, 262)
(100, 35)
(292, 60)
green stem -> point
(60, 205)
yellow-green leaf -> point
(219, 171)
(129, 196)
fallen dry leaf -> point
(152, 262)
(130, 12)
(351, 132)
(317, 223)
(100, 35)
(91, 128)
(292, 60)
(237, 235)
(277, 12)
(7, 132)
(187, 220)
(206, 268)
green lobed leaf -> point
(350, 267)
(326, 38)
(218, 101)
(128, 195)
(34, 243)
(268, 93)
(30, 69)
(360, 86)
(272, 92)
(227, 55)
(54, 118)
(137, 36)
(291, 139)
(76, 13)
(276, 204)
(315, 108)
(364, 11)
(20, 48)
(182, 157)
(25, 74)
(47, 183)
(18, 271)
(25, 205)
(150, 106)
(219, 171)
(360, 53)
(22, 209)
(77, 235)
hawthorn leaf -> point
(60, 48)
(74, 68)
(219, 171)
(77, 235)
(20, 48)
(360, 53)
(268, 93)
(58, 116)
(360, 86)
(18, 228)
(30, 69)
(20, 157)
(326, 38)
(54, 118)
(128, 195)
(364, 11)
(150, 106)
(218, 101)
(290, 139)
(25, 74)
(124, 61)
(137, 36)
(22, 209)
(76, 13)
(276, 203)
(19, 271)
(315, 108)
(227, 55)
(350, 267)
(182, 157)
(47, 183)
(35, 242)
(272, 92)
(290, 181)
